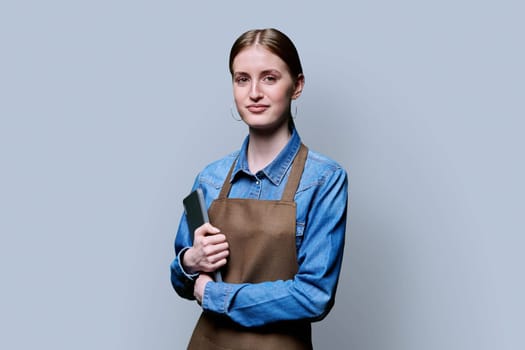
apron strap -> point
(293, 178)
(227, 185)
(295, 174)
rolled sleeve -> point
(218, 296)
(182, 281)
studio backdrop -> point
(109, 109)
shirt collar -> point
(274, 171)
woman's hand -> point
(200, 285)
(209, 251)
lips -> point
(257, 108)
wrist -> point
(200, 287)
(187, 261)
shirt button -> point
(257, 182)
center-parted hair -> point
(274, 41)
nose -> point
(255, 91)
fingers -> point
(222, 255)
(214, 261)
(215, 239)
(210, 249)
(196, 261)
(210, 240)
(216, 249)
(209, 267)
(206, 229)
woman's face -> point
(263, 88)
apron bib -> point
(261, 238)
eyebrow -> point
(271, 71)
(264, 72)
(239, 73)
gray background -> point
(110, 108)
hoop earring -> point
(232, 113)
(294, 114)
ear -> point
(298, 86)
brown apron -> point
(261, 238)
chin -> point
(267, 127)
(264, 122)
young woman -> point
(277, 216)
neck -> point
(264, 147)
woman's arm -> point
(207, 253)
(182, 281)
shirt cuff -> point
(190, 276)
(218, 296)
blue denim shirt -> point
(321, 200)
